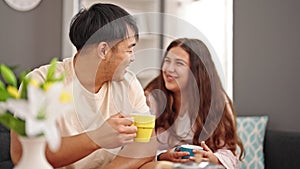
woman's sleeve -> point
(158, 152)
(227, 158)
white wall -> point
(208, 20)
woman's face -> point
(176, 67)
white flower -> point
(41, 111)
(2, 108)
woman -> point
(192, 107)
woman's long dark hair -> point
(213, 123)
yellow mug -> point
(145, 124)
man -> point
(104, 95)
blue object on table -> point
(188, 148)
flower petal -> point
(2, 108)
(55, 107)
(36, 98)
(20, 108)
(53, 137)
(34, 127)
(54, 91)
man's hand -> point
(114, 132)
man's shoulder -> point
(61, 67)
(129, 76)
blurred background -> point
(256, 44)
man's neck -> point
(88, 72)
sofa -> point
(281, 149)
(5, 161)
(265, 148)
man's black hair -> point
(101, 23)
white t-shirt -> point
(92, 109)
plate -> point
(191, 165)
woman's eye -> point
(179, 63)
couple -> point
(99, 132)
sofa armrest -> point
(282, 149)
(6, 165)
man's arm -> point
(81, 144)
(134, 155)
(128, 163)
(115, 132)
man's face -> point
(121, 55)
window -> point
(213, 19)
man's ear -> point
(102, 50)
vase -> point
(33, 154)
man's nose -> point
(132, 57)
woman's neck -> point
(181, 103)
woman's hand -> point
(173, 155)
(206, 154)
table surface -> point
(202, 165)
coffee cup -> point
(188, 148)
(145, 124)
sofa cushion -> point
(282, 149)
(251, 130)
(6, 165)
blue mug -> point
(188, 148)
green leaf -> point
(13, 123)
(25, 82)
(60, 78)
(23, 75)
(51, 70)
(2, 85)
(4, 95)
(8, 75)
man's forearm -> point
(134, 155)
(128, 163)
(72, 149)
